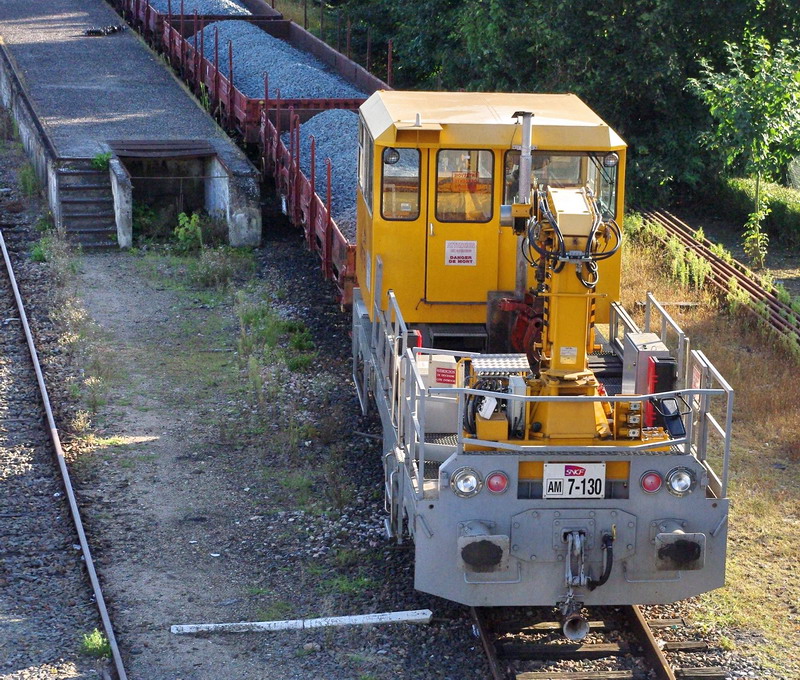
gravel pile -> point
(297, 74)
(336, 133)
(202, 6)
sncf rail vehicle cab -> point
(539, 446)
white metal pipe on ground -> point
(412, 616)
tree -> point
(756, 106)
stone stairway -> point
(87, 204)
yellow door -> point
(463, 229)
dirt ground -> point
(161, 570)
(206, 507)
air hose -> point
(608, 546)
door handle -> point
(431, 230)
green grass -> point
(277, 610)
(28, 181)
(348, 585)
(96, 644)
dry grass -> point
(760, 605)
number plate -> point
(574, 480)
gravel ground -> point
(336, 135)
(202, 6)
(297, 74)
(45, 597)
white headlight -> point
(680, 481)
(466, 482)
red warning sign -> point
(446, 376)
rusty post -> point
(295, 135)
(202, 74)
(328, 268)
(339, 31)
(305, 14)
(183, 42)
(216, 67)
(347, 37)
(230, 84)
(278, 112)
(169, 10)
(322, 20)
(389, 69)
(196, 54)
(369, 45)
(265, 125)
(312, 207)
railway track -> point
(623, 642)
(41, 570)
(764, 304)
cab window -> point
(603, 181)
(562, 170)
(400, 184)
(464, 180)
(366, 153)
(547, 169)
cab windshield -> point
(562, 170)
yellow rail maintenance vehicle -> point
(539, 447)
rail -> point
(764, 304)
(513, 640)
(62, 465)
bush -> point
(101, 161)
(189, 233)
(735, 198)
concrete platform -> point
(71, 94)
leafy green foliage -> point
(96, 644)
(40, 251)
(145, 221)
(188, 233)
(756, 106)
(736, 297)
(101, 161)
(755, 103)
(734, 198)
(755, 240)
(628, 60)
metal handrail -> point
(411, 404)
(667, 323)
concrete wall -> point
(34, 140)
(216, 186)
(123, 202)
(237, 197)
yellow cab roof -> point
(485, 119)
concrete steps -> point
(87, 204)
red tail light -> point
(651, 481)
(497, 482)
